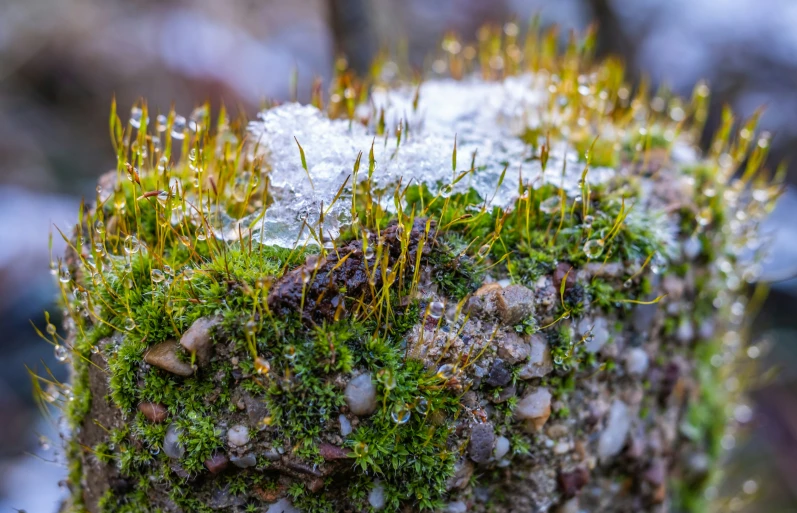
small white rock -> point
(282, 506)
(238, 435)
(535, 407)
(456, 507)
(636, 361)
(345, 426)
(501, 447)
(612, 439)
(360, 395)
(376, 498)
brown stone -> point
(154, 412)
(512, 348)
(518, 304)
(269, 494)
(332, 452)
(165, 356)
(571, 482)
(197, 339)
(217, 463)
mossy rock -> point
(515, 289)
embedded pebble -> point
(517, 304)
(480, 446)
(223, 499)
(501, 447)
(463, 471)
(245, 461)
(332, 452)
(500, 373)
(361, 395)
(238, 435)
(171, 445)
(612, 438)
(196, 339)
(535, 407)
(165, 356)
(486, 301)
(345, 425)
(456, 507)
(282, 506)
(540, 363)
(512, 348)
(376, 498)
(217, 463)
(154, 412)
(636, 361)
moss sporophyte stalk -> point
(512, 286)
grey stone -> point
(512, 348)
(256, 410)
(196, 339)
(376, 497)
(535, 407)
(360, 395)
(165, 356)
(518, 304)
(245, 461)
(456, 507)
(636, 361)
(345, 425)
(612, 438)
(540, 363)
(171, 444)
(500, 373)
(482, 439)
(463, 470)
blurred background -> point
(62, 61)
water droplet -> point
(421, 405)
(64, 276)
(400, 414)
(99, 227)
(447, 371)
(201, 233)
(131, 244)
(95, 349)
(436, 309)
(160, 123)
(61, 353)
(627, 283)
(369, 253)
(261, 365)
(154, 451)
(188, 274)
(290, 353)
(51, 328)
(157, 275)
(550, 205)
(44, 443)
(168, 270)
(593, 248)
(452, 314)
(588, 220)
(484, 251)
(99, 248)
(250, 328)
(130, 324)
(446, 191)
(558, 360)
(135, 117)
(578, 198)
(178, 127)
(163, 198)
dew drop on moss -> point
(130, 324)
(135, 117)
(422, 405)
(64, 275)
(436, 309)
(369, 253)
(201, 233)
(588, 220)
(262, 366)
(178, 128)
(157, 275)
(400, 414)
(484, 251)
(99, 227)
(163, 198)
(447, 371)
(51, 328)
(550, 205)
(593, 248)
(61, 353)
(132, 245)
(160, 123)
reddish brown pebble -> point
(315, 485)
(154, 412)
(332, 452)
(217, 463)
(573, 481)
(269, 494)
